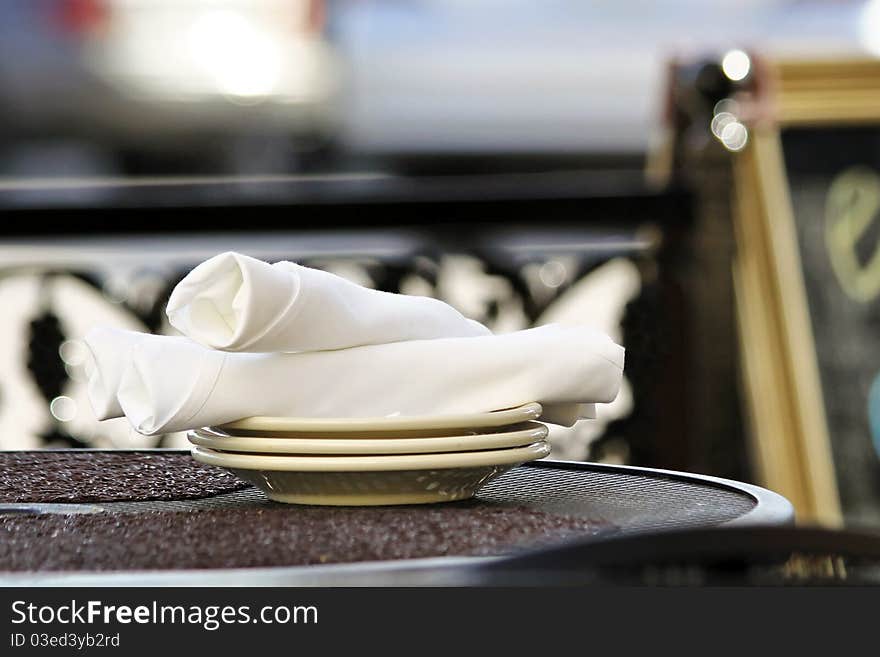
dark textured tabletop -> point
(97, 511)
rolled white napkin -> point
(173, 383)
(566, 414)
(108, 355)
(237, 303)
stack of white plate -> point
(374, 461)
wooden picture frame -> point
(790, 433)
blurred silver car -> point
(550, 76)
(161, 74)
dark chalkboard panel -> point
(808, 274)
(834, 185)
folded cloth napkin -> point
(108, 351)
(173, 383)
(237, 303)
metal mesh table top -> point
(630, 499)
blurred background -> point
(497, 155)
(136, 87)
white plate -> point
(371, 463)
(270, 425)
(527, 434)
(372, 480)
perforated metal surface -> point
(632, 500)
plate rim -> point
(376, 463)
(501, 417)
(268, 445)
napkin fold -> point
(173, 383)
(234, 302)
(107, 357)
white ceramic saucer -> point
(372, 480)
(383, 462)
(523, 434)
(265, 425)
